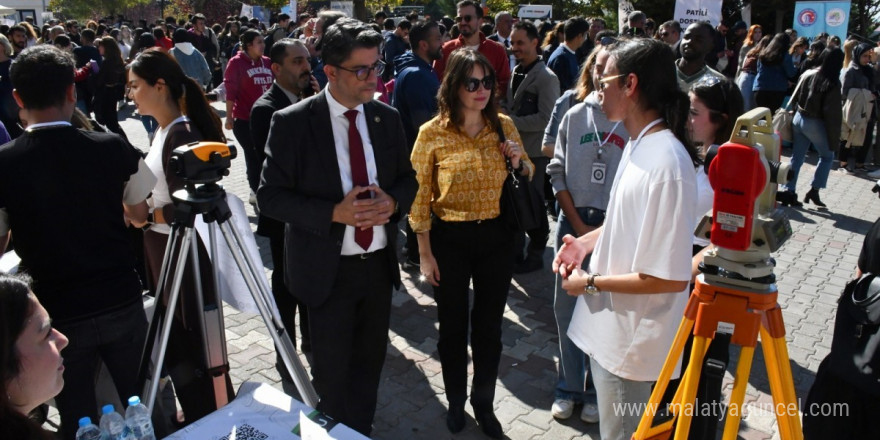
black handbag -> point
(521, 204)
(855, 347)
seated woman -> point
(31, 366)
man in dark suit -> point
(293, 80)
(337, 172)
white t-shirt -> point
(648, 229)
(161, 193)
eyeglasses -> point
(473, 84)
(604, 41)
(603, 82)
(362, 73)
(464, 18)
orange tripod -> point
(750, 312)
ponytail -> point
(199, 111)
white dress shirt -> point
(339, 123)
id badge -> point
(598, 174)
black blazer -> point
(272, 100)
(301, 184)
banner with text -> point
(535, 12)
(692, 11)
(346, 7)
(813, 18)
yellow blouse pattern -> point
(460, 177)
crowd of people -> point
(350, 130)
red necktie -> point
(358, 173)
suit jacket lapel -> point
(379, 140)
(324, 144)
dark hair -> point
(380, 14)
(672, 24)
(477, 8)
(345, 36)
(487, 29)
(800, 42)
(575, 27)
(607, 33)
(458, 69)
(198, 17)
(282, 16)
(419, 33)
(278, 52)
(653, 63)
(42, 74)
(405, 25)
(755, 51)
(775, 51)
(158, 33)
(16, 306)
(155, 64)
(113, 61)
(725, 103)
(62, 40)
(87, 35)
(829, 71)
(17, 28)
(180, 35)
(531, 30)
(247, 38)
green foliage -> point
(92, 8)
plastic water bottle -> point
(114, 425)
(137, 416)
(88, 430)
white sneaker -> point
(590, 413)
(562, 408)
(874, 174)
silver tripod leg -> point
(169, 314)
(211, 326)
(260, 291)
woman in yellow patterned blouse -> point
(460, 165)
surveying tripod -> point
(201, 165)
(736, 291)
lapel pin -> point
(377, 119)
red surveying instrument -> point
(736, 290)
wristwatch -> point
(590, 288)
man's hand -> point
(364, 213)
(570, 256)
(229, 122)
(575, 282)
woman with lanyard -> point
(632, 297)
(160, 89)
(587, 151)
(460, 166)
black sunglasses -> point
(473, 84)
(464, 18)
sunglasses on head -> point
(607, 40)
(464, 18)
(473, 84)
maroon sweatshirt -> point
(246, 80)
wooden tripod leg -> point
(690, 383)
(735, 407)
(774, 375)
(684, 330)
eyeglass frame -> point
(364, 71)
(603, 82)
(478, 81)
(465, 18)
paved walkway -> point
(812, 268)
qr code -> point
(246, 432)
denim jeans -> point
(806, 131)
(618, 400)
(573, 366)
(745, 81)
